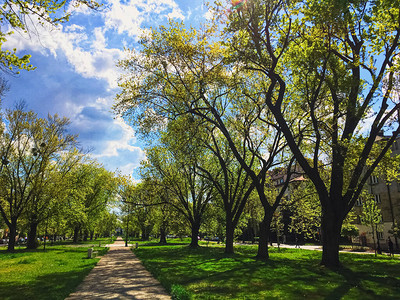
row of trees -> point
(46, 181)
(44, 178)
(273, 84)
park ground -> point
(206, 272)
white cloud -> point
(92, 46)
(124, 143)
(93, 61)
(208, 15)
(129, 17)
(86, 48)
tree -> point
(218, 165)
(350, 231)
(371, 216)
(24, 16)
(304, 209)
(188, 192)
(185, 72)
(320, 58)
(50, 187)
(90, 189)
(107, 224)
(138, 204)
(29, 146)
(232, 183)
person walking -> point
(297, 241)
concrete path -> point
(119, 275)
(319, 248)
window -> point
(379, 235)
(374, 179)
(359, 202)
(377, 198)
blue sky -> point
(76, 73)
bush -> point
(178, 292)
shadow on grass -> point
(366, 280)
(291, 274)
(4, 254)
(153, 244)
(50, 286)
(35, 274)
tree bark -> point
(76, 234)
(331, 225)
(195, 235)
(265, 224)
(86, 235)
(12, 235)
(32, 233)
(163, 237)
(229, 236)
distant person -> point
(390, 244)
(297, 242)
(379, 250)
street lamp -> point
(127, 228)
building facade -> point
(387, 197)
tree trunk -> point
(86, 235)
(330, 234)
(229, 236)
(32, 233)
(373, 237)
(76, 234)
(195, 235)
(91, 235)
(163, 237)
(265, 225)
(12, 235)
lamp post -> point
(127, 228)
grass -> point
(208, 273)
(35, 274)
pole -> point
(127, 228)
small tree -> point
(371, 216)
(350, 231)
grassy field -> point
(36, 274)
(207, 273)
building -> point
(387, 197)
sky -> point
(76, 74)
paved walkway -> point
(319, 248)
(119, 275)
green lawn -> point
(207, 273)
(53, 274)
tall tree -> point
(231, 181)
(90, 188)
(327, 59)
(185, 72)
(188, 192)
(29, 145)
(50, 188)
